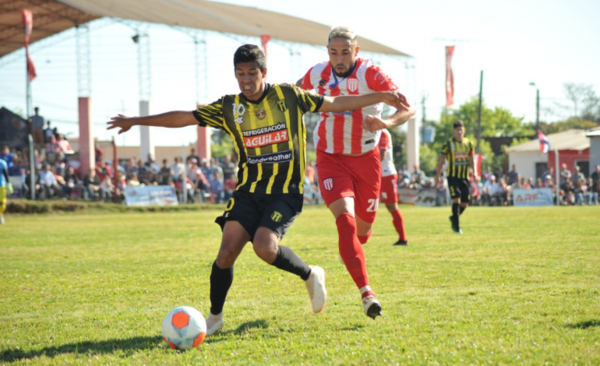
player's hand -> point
(372, 123)
(9, 189)
(477, 178)
(397, 100)
(122, 122)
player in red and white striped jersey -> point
(389, 185)
(348, 163)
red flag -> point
(449, 77)
(28, 26)
(264, 40)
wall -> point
(569, 157)
(525, 162)
(594, 154)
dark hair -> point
(250, 53)
(458, 124)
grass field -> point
(521, 286)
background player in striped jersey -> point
(459, 153)
(348, 163)
(389, 185)
(266, 125)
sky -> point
(514, 43)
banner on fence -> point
(532, 197)
(417, 197)
(150, 195)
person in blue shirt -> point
(5, 188)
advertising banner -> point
(150, 195)
(532, 197)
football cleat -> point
(214, 323)
(401, 242)
(316, 288)
(371, 306)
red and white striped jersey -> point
(342, 133)
(387, 160)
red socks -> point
(351, 251)
(399, 224)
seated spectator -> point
(106, 189)
(177, 168)
(594, 190)
(524, 183)
(564, 174)
(216, 187)
(491, 193)
(91, 186)
(577, 175)
(48, 133)
(152, 164)
(503, 191)
(150, 178)
(103, 170)
(581, 189)
(48, 184)
(165, 174)
(52, 150)
(64, 145)
(487, 174)
(134, 181)
(229, 187)
(189, 189)
(131, 168)
(121, 184)
(475, 193)
(72, 186)
(538, 184)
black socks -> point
(220, 282)
(288, 261)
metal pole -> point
(115, 171)
(557, 183)
(31, 167)
(537, 109)
(424, 121)
(479, 113)
(184, 183)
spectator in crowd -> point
(103, 170)
(581, 189)
(524, 183)
(205, 168)
(475, 193)
(131, 168)
(64, 145)
(418, 175)
(152, 164)
(215, 167)
(311, 173)
(513, 176)
(38, 127)
(564, 174)
(106, 189)
(593, 190)
(120, 188)
(150, 179)
(72, 188)
(189, 188)
(538, 184)
(143, 171)
(91, 186)
(578, 175)
(165, 174)
(230, 168)
(404, 174)
(548, 173)
(503, 190)
(216, 187)
(487, 174)
(177, 168)
(198, 179)
(596, 174)
(133, 180)
(491, 192)
(9, 159)
(48, 184)
(52, 150)
(568, 192)
(192, 155)
(229, 187)
(48, 133)
(98, 151)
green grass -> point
(521, 286)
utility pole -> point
(479, 113)
(423, 120)
(537, 106)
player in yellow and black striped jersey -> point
(458, 152)
(269, 136)
(265, 122)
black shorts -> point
(459, 188)
(252, 210)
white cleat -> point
(1, 219)
(214, 323)
(371, 306)
(316, 288)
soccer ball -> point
(183, 328)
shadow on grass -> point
(127, 345)
(355, 327)
(261, 323)
(585, 324)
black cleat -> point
(371, 306)
(401, 242)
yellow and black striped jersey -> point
(457, 154)
(269, 136)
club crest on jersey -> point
(261, 114)
(328, 184)
(352, 84)
(322, 82)
(281, 105)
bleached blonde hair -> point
(343, 32)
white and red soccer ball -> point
(184, 328)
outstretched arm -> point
(440, 166)
(351, 102)
(170, 119)
(372, 123)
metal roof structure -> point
(566, 140)
(53, 16)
